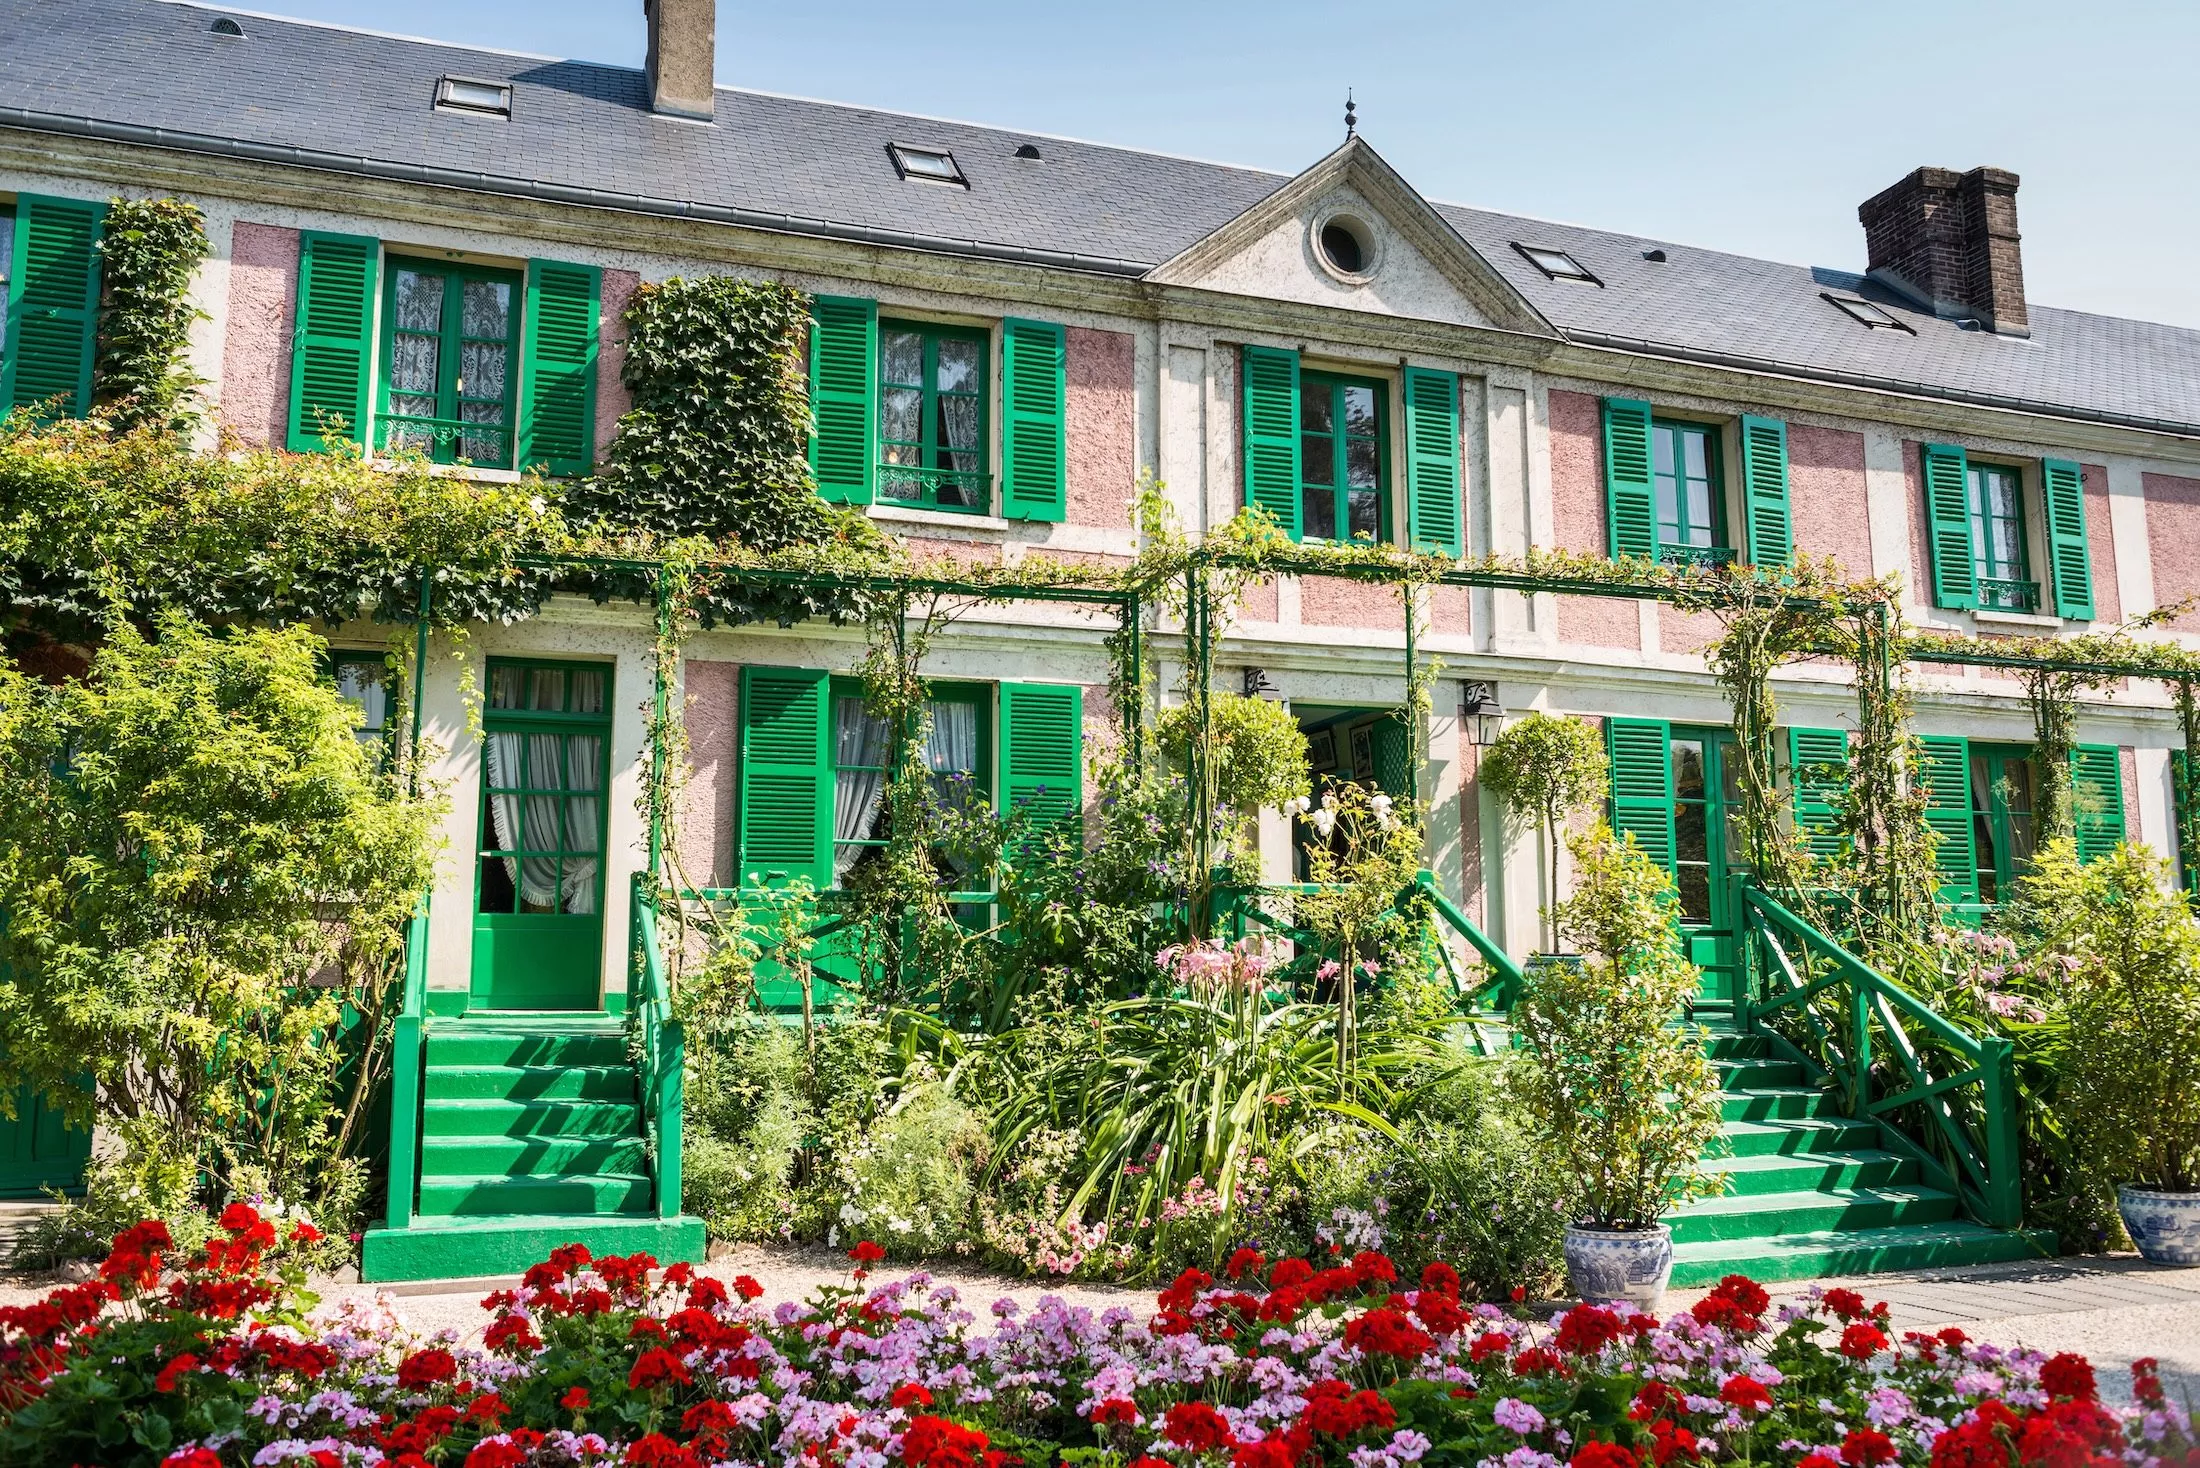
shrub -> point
(1624, 1098)
(1258, 750)
(1545, 768)
(913, 1178)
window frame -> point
(1311, 378)
(451, 339)
(1994, 861)
(984, 696)
(378, 739)
(981, 479)
(565, 720)
(1720, 550)
(2019, 592)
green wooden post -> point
(2004, 1202)
(405, 1043)
(1416, 727)
(1134, 716)
(659, 702)
(1860, 1048)
(420, 676)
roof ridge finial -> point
(1351, 118)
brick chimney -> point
(1949, 240)
(683, 54)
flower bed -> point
(598, 1361)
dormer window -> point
(928, 165)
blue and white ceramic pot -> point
(1620, 1266)
(2165, 1226)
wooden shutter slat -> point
(1767, 524)
(1948, 525)
(1433, 507)
(1272, 435)
(338, 275)
(1945, 773)
(1818, 772)
(1034, 431)
(2069, 557)
(1042, 752)
(2097, 799)
(844, 397)
(786, 823)
(557, 419)
(1642, 785)
(52, 305)
(1628, 491)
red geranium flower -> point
(575, 1399)
(1818, 1460)
(910, 1394)
(1440, 1278)
(1845, 1304)
(1587, 1329)
(1244, 1262)
(1197, 1427)
(1289, 1274)
(1371, 1269)
(658, 1451)
(866, 1252)
(935, 1442)
(744, 1286)
(1603, 1455)
(426, 1368)
(177, 1366)
(1865, 1447)
(2070, 1375)
(1745, 1392)
(658, 1367)
(192, 1458)
(1385, 1332)
(1862, 1341)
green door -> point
(538, 893)
(39, 1150)
(1706, 850)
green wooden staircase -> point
(1812, 1193)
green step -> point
(482, 1045)
(1797, 1134)
(531, 1156)
(1817, 1255)
(1749, 1072)
(1772, 1102)
(472, 1247)
(1727, 1045)
(1801, 1172)
(590, 1119)
(584, 1193)
(530, 1083)
(1758, 1215)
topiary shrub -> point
(1545, 768)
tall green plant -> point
(1624, 1095)
(1546, 768)
(1364, 853)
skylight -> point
(1556, 264)
(1873, 316)
(932, 165)
(465, 94)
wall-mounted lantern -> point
(1479, 704)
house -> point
(436, 243)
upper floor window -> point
(1686, 488)
(1998, 540)
(931, 416)
(447, 375)
(1344, 453)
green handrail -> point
(405, 1045)
(1986, 1156)
(1506, 977)
(664, 1045)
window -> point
(1706, 805)
(2001, 816)
(1856, 308)
(545, 742)
(1998, 540)
(1555, 264)
(363, 678)
(1685, 492)
(1344, 454)
(449, 348)
(931, 416)
(461, 94)
(958, 753)
(932, 165)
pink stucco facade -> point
(1577, 522)
(1258, 602)
(2173, 531)
(1331, 601)
(263, 301)
(612, 398)
(1828, 503)
(1102, 427)
(710, 710)
(2100, 541)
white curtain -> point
(952, 749)
(538, 874)
(504, 769)
(859, 740)
(583, 815)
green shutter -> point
(1627, 489)
(786, 777)
(53, 305)
(2097, 798)
(1034, 412)
(1642, 785)
(1946, 776)
(557, 411)
(1386, 744)
(2069, 558)
(1766, 523)
(1042, 751)
(844, 397)
(1433, 508)
(1818, 771)
(1948, 525)
(1272, 435)
(334, 349)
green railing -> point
(405, 1041)
(663, 1060)
(1501, 986)
(1956, 1090)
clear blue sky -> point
(1755, 127)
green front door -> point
(1706, 849)
(538, 891)
(39, 1150)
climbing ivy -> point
(149, 250)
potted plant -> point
(1546, 768)
(1623, 1096)
(2130, 1088)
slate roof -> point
(150, 71)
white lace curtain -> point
(860, 748)
(525, 822)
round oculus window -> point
(1344, 248)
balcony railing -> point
(2002, 594)
(1696, 555)
(948, 489)
(486, 445)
